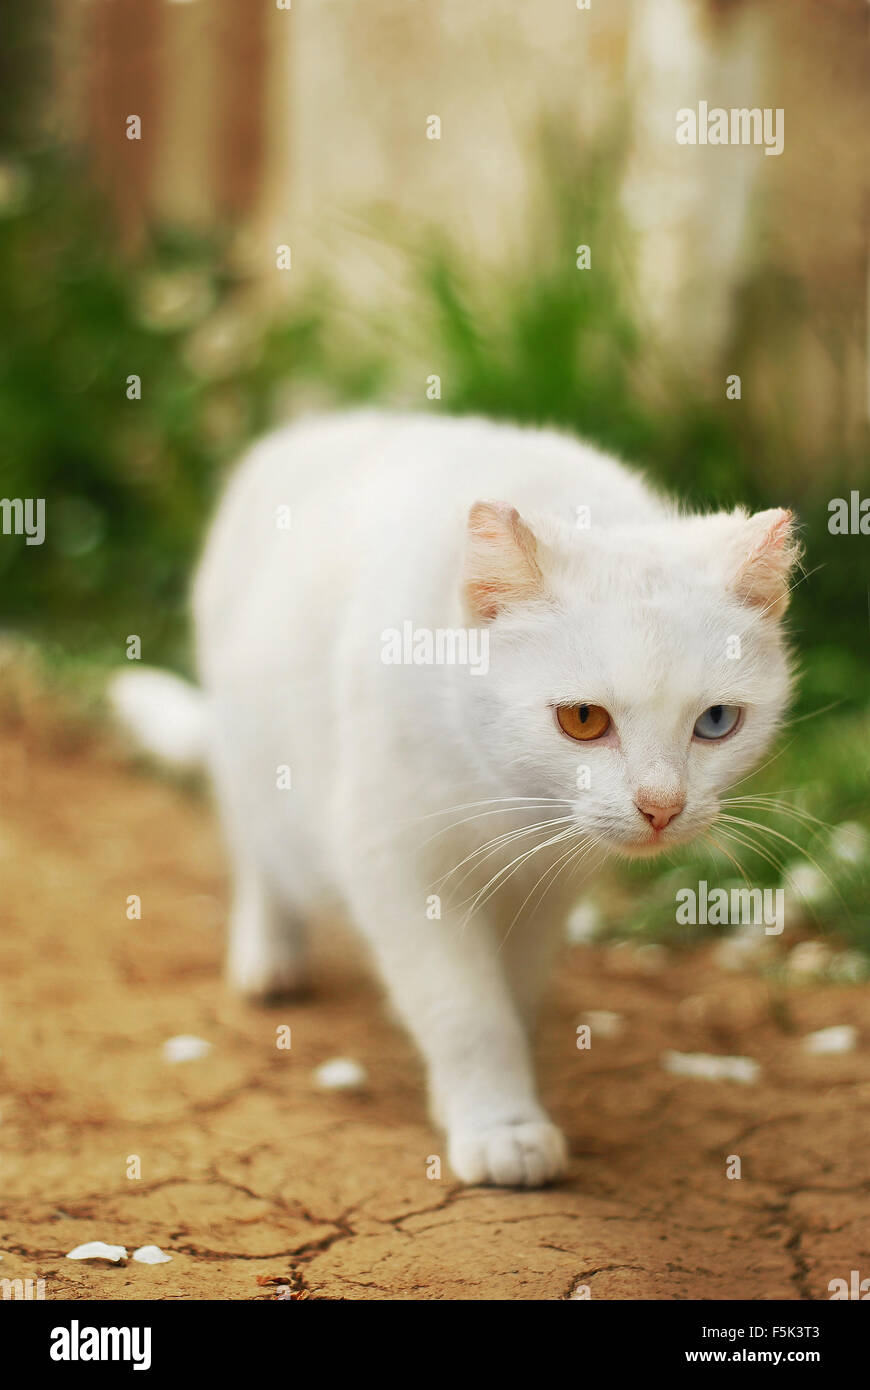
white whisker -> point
(509, 870)
(557, 866)
(490, 847)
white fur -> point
(397, 770)
(166, 715)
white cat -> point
(625, 664)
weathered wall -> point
(308, 126)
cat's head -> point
(635, 672)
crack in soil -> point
(646, 1180)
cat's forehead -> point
(655, 600)
(663, 649)
(665, 641)
(628, 568)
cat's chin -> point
(650, 846)
(641, 849)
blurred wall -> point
(308, 126)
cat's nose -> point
(658, 816)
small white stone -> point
(705, 1067)
(584, 924)
(98, 1250)
(805, 881)
(151, 1255)
(603, 1022)
(843, 1037)
(850, 842)
(743, 950)
(340, 1074)
(185, 1048)
(809, 959)
(731, 955)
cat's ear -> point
(500, 563)
(762, 556)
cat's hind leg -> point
(267, 954)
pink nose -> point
(658, 816)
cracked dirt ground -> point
(250, 1174)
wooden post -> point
(125, 38)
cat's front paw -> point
(527, 1153)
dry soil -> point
(260, 1185)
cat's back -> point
(376, 467)
(327, 498)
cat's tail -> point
(166, 716)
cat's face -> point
(634, 675)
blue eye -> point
(717, 721)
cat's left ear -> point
(500, 560)
(764, 552)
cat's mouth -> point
(649, 845)
(649, 841)
(636, 839)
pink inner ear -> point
(769, 551)
(778, 533)
(500, 563)
(491, 521)
(485, 600)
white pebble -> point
(151, 1255)
(603, 1022)
(584, 924)
(850, 842)
(805, 881)
(340, 1074)
(809, 959)
(185, 1048)
(98, 1250)
(842, 1037)
(742, 951)
(705, 1067)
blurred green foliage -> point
(130, 483)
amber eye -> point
(583, 721)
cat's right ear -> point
(500, 563)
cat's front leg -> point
(497, 1130)
(448, 984)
